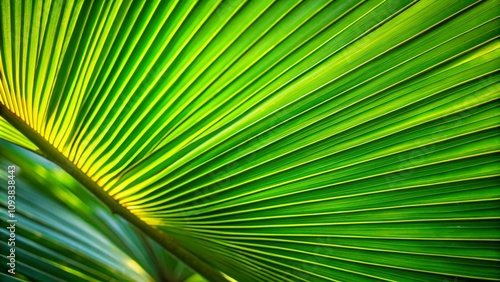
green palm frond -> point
(274, 140)
(11, 134)
(63, 233)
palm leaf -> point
(63, 233)
(11, 134)
(275, 141)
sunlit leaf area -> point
(250, 141)
(66, 234)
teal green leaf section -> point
(63, 233)
(278, 140)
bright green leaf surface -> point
(277, 140)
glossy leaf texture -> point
(11, 134)
(63, 233)
(278, 140)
